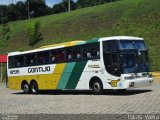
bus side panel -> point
(14, 83)
(75, 75)
(52, 80)
(66, 75)
(92, 69)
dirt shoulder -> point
(156, 76)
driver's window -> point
(112, 63)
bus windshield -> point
(132, 44)
(129, 62)
(128, 57)
(134, 62)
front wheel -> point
(34, 88)
(97, 87)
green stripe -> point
(65, 75)
(92, 40)
(80, 43)
(75, 75)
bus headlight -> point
(131, 84)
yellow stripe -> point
(57, 74)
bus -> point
(116, 63)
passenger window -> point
(40, 58)
(91, 51)
(53, 56)
(30, 59)
(11, 62)
(94, 51)
(73, 53)
(60, 55)
(69, 54)
(27, 60)
(33, 59)
(46, 57)
(77, 53)
(86, 52)
(19, 61)
(57, 56)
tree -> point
(37, 7)
(5, 32)
(63, 6)
(34, 33)
(87, 3)
(3, 12)
(21, 10)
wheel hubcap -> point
(96, 87)
(25, 87)
(33, 89)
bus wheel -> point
(34, 87)
(97, 87)
(25, 87)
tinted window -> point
(54, 56)
(73, 53)
(112, 63)
(109, 46)
(11, 62)
(19, 61)
(43, 57)
(33, 59)
(76, 53)
(91, 51)
(132, 44)
(30, 59)
(60, 55)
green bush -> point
(34, 33)
(4, 33)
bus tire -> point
(34, 87)
(25, 87)
(97, 87)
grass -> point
(128, 17)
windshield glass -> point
(135, 62)
(132, 44)
(125, 56)
(144, 61)
(129, 62)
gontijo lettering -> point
(39, 69)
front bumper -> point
(137, 83)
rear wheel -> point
(97, 87)
(34, 87)
(25, 87)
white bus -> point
(119, 63)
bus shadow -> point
(89, 92)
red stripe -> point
(3, 58)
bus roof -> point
(55, 46)
(121, 38)
(73, 43)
